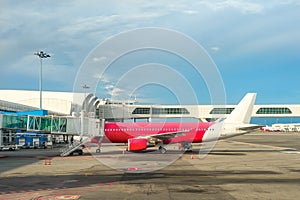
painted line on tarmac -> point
(276, 133)
(73, 158)
(262, 145)
(291, 152)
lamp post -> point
(41, 55)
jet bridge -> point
(10, 124)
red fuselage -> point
(119, 132)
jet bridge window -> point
(141, 111)
(168, 111)
(221, 111)
(272, 110)
(12, 121)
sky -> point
(255, 46)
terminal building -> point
(20, 112)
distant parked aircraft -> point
(272, 129)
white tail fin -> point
(242, 112)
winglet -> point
(242, 112)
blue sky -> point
(254, 44)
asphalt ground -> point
(256, 166)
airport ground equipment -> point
(70, 149)
(97, 134)
(31, 139)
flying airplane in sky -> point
(141, 135)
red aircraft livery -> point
(141, 135)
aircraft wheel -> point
(98, 150)
(162, 150)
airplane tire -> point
(98, 150)
(162, 150)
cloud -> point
(215, 49)
(115, 92)
(283, 40)
(71, 29)
(108, 87)
(88, 24)
(243, 6)
(293, 2)
(190, 12)
(104, 79)
(99, 59)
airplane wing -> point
(164, 136)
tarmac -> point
(255, 166)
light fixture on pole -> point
(41, 55)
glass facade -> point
(272, 110)
(141, 111)
(62, 124)
(170, 111)
(221, 111)
(14, 122)
(55, 124)
(35, 123)
(161, 111)
(39, 123)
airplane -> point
(141, 135)
(272, 129)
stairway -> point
(70, 148)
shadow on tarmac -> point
(180, 177)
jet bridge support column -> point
(102, 127)
(1, 138)
(101, 134)
(10, 137)
(82, 124)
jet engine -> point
(135, 144)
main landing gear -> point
(162, 149)
(98, 150)
(185, 146)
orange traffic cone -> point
(47, 161)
